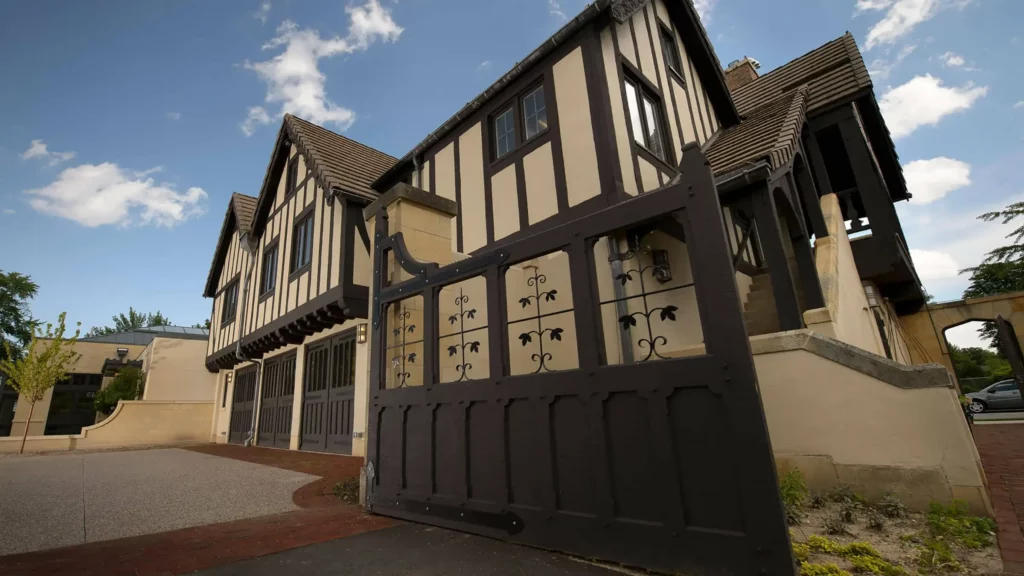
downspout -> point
(251, 251)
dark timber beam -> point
(811, 199)
(774, 251)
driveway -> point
(413, 549)
(67, 499)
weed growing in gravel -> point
(347, 490)
(794, 492)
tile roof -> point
(770, 132)
(338, 162)
(245, 210)
(239, 216)
(833, 73)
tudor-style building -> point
(288, 282)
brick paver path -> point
(1002, 453)
(323, 517)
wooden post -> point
(774, 251)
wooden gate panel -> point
(243, 401)
(314, 433)
(658, 458)
(278, 394)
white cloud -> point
(924, 101)
(262, 12)
(931, 180)
(951, 60)
(257, 116)
(9, 211)
(704, 8)
(901, 17)
(881, 68)
(556, 10)
(1019, 104)
(293, 77)
(933, 265)
(38, 150)
(174, 116)
(97, 195)
(484, 65)
(871, 5)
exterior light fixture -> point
(122, 352)
(662, 270)
(361, 334)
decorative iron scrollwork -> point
(401, 360)
(541, 357)
(666, 313)
(474, 346)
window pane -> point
(668, 48)
(535, 112)
(632, 101)
(504, 133)
(653, 129)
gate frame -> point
(690, 200)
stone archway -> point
(926, 329)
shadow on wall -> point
(132, 424)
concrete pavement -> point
(412, 550)
(61, 500)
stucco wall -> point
(175, 370)
(846, 316)
(93, 355)
(840, 425)
(136, 423)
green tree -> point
(205, 324)
(46, 362)
(126, 385)
(132, 321)
(973, 362)
(1012, 252)
(16, 324)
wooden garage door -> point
(278, 397)
(327, 406)
(242, 404)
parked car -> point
(1004, 395)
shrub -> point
(126, 385)
(876, 521)
(822, 570)
(794, 492)
(845, 495)
(892, 506)
(952, 523)
(936, 557)
(802, 552)
(875, 565)
(824, 545)
(818, 501)
(848, 511)
(348, 490)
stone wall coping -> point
(892, 373)
(403, 191)
(979, 300)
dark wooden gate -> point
(278, 397)
(243, 402)
(327, 405)
(576, 428)
(1011, 348)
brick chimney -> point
(741, 72)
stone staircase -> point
(759, 309)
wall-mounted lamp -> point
(122, 352)
(361, 334)
(662, 270)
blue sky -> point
(125, 123)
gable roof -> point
(834, 74)
(338, 163)
(770, 133)
(239, 216)
(690, 28)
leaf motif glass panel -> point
(649, 307)
(403, 352)
(541, 321)
(463, 347)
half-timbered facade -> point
(290, 269)
(597, 116)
